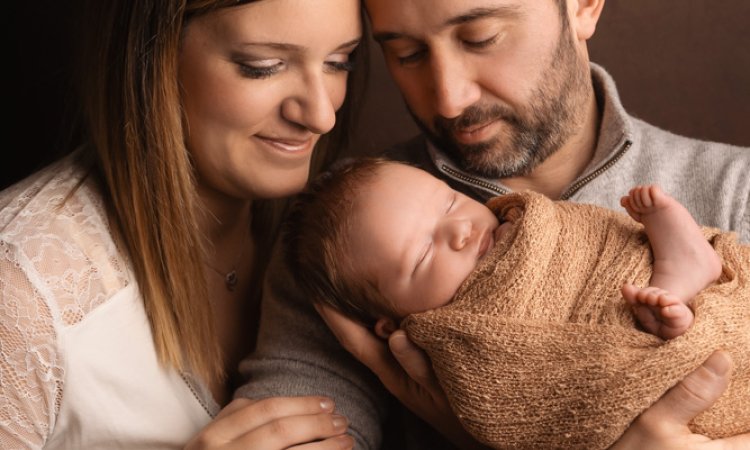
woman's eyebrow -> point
(295, 47)
(353, 43)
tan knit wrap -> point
(539, 351)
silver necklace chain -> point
(230, 278)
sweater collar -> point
(615, 130)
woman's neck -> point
(232, 285)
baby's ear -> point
(384, 327)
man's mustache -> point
(473, 116)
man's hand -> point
(406, 372)
(664, 426)
(404, 369)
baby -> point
(380, 240)
(520, 301)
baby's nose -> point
(460, 232)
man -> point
(505, 94)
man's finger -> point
(350, 334)
(364, 345)
(413, 360)
(696, 392)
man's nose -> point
(454, 87)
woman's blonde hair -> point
(133, 127)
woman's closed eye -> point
(339, 66)
(261, 69)
(266, 68)
(342, 60)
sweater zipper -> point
(475, 181)
(566, 195)
(587, 179)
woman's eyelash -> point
(268, 71)
(258, 72)
(341, 66)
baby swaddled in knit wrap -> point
(539, 350)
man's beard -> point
(554, 112)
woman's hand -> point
(406, 372)
(304, 423)
(664, 426)
(404, 369)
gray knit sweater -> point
(297, 355)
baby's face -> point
(416, 238)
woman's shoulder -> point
(56, 242)
(40, 196)
(58, 263)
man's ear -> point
(384, 327)
(584, 15)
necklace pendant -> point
(231, 280)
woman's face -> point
(260, 83)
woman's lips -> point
(287, 145)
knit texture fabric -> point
(539, 350)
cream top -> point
(78, 368)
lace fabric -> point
(58, 263)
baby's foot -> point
(684, 261)
(659, 312)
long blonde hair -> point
(133, 126)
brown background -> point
(683, 65)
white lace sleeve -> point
(57, 264)
(30, 373)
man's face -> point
(498, 84)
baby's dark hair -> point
(316, 245)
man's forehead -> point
(399, 16)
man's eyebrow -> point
(506, 11)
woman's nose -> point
(311, 107)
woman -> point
(130, 269)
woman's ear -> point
(384, 327)
(584, 15)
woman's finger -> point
(342, 442)
(242, 416)
(289, 431)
